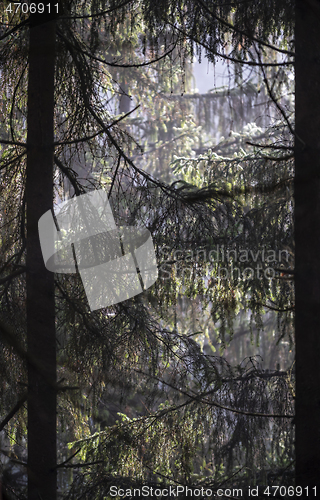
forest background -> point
(140, 393)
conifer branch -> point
(89, 137)
(62, 464)
(10, 277)
(241, 32)
(201, 398)
(270, 146)
(98, 14)
(275, 101)
(14, 29)
(230, 58)
(13, 143)
(128, 65)
(14, 410)
(71, 175)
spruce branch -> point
(243, 33)
(14, 410)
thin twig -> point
(114, 176)
(270, 146)
(89, 137)
(68, 459)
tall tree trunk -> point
(307, 243)
(40, 282)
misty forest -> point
(197, 122)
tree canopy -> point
(91, 99)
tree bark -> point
(307, 244)
(40, 282)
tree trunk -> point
(40, 282)
(307, 243)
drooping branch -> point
(243, 33)
(203, 399)
(70, 174)
(129, 65)
(230, 58)
(274, 100)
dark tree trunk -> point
(40, 282)
(307, 241)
